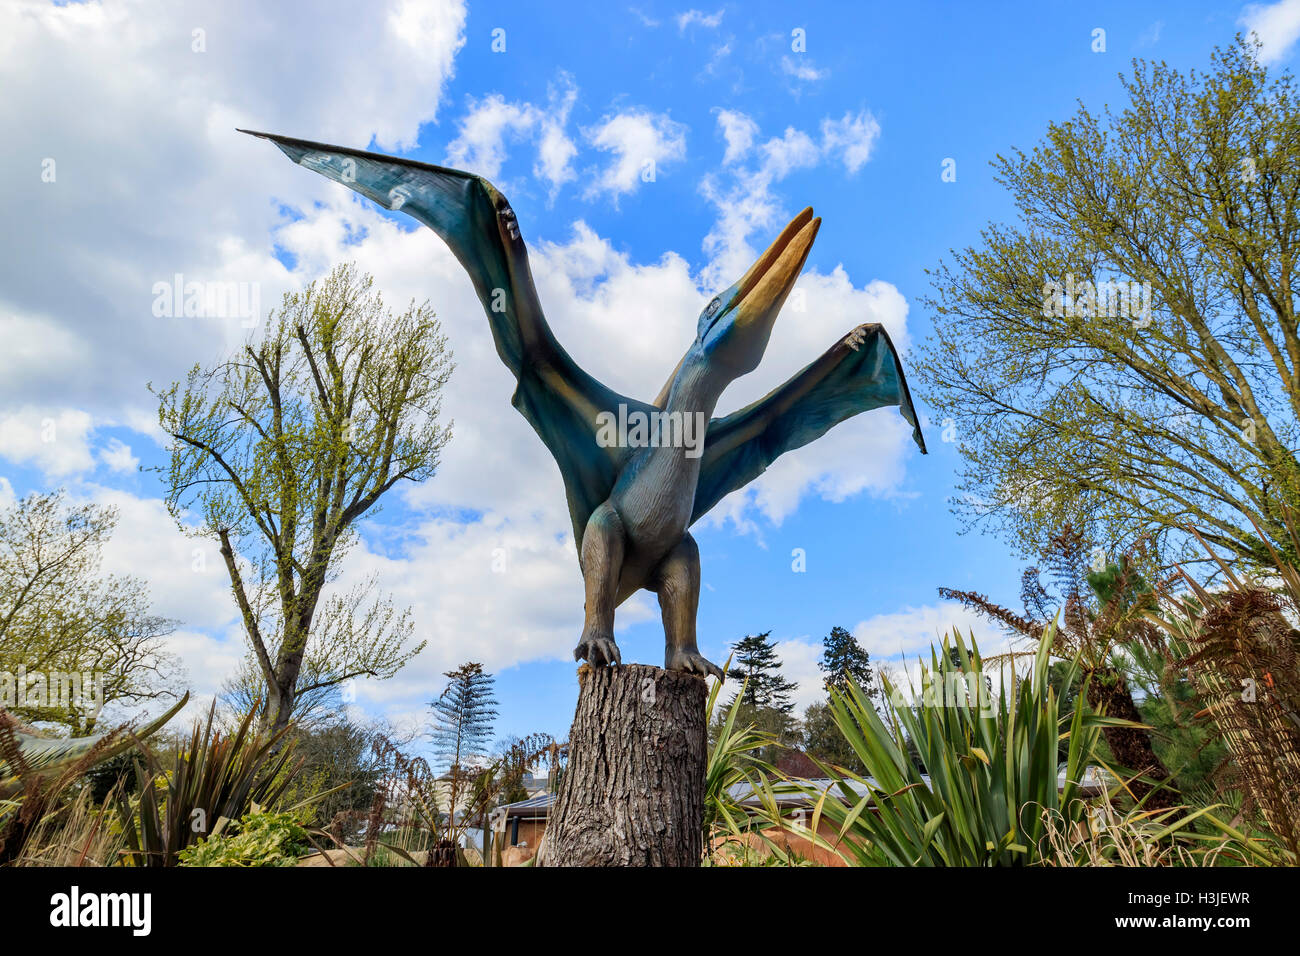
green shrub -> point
(264, 839)
(992, 768)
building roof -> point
(538, 806)
(796, 763)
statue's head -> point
(735, 326)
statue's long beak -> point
(764, 287)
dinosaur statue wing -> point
(558, 398)
(860, 372)
(49, 755)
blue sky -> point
(744, 130)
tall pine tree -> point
(757, 662)
(843, 658)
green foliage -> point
(58, 613)
(758, 666)
(1140, 422)
(735, 764)
(844, 659)
(764, 697)
(992, 767)
(264, 839)
(823, 741)
(341, 771)
(284, 446)
(38, 774)
(214, 779)
(1192, 750)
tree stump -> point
(443, 853)
(633, 792)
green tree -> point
(360, 625)
(1076, 401)
(844, 658)
(336, 754)
(823, 740)
(758, 664)
(463, 716)
(75, 640)
(284, 446)
(766, 702)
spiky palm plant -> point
(990, 767)
(214, 779)
(734, 766)
(1104, 626)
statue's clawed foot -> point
(691, 661)
(597, 651)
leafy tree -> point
(1072, 405)
(284, 446)
(60, 615)
(766, 703)
(463, 716)
(823, 740)
(844, 658)
(359, 625)
(336, 753)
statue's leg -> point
(602, 562)
(677, 579)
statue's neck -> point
(696, 388)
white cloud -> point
(88, 87)
(492, 123)
(793, 150)
(186, 574)
(852, 138)
(799, 657)
(1276, 25)
(903, 635)
(698, 17)
(481, 145)
(117, 456)
(739, 131)
(641, 142)
(55, 440)
(556, 150)
(801, 69)
(743, 197)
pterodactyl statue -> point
(632, 505)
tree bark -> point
(1131, 746)
(633, 791)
